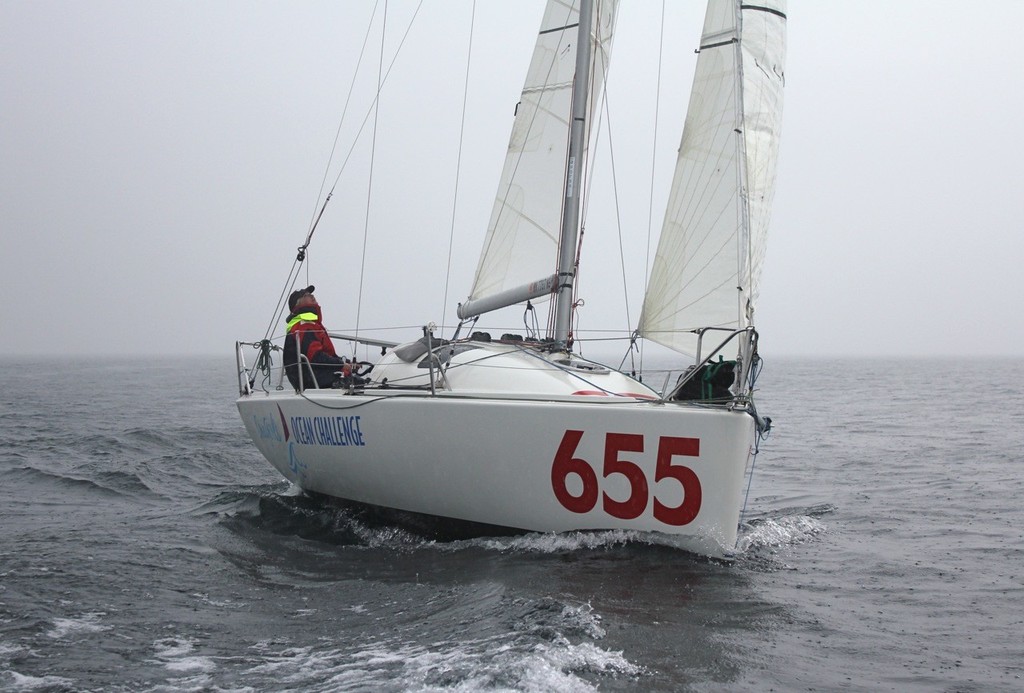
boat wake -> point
(536, 542)
(288, 511)
(534, 654)
(761, 538)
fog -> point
(162, 161)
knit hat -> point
(296, 295)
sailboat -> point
(511, 433)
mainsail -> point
(707, 267)
(520, 248)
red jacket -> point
(306, 329)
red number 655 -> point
(669, 447)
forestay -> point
(520, 247)
(708, 263)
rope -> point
(293, 273)
(762, 433)
(654, 150)
(369, 111)
(263, 361)
(764, 428)
(534, 330)
(344, 111)
(589, 163)
(618, 210)
(373, 159)
(281, 299)
(458, 166)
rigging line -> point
(654, 154)
(369, 111)
(373, 159)
(618, 210)
(344, 112)
(758, 437)
(589, 159)
(293, 274)
(458, 165)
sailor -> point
(306, 333)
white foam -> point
(12, 680)
(553, 667)
(192, 664)
(496, 663)
(220, 603)
(292, 491)
(172, 647)
(385, 537)
(177, 655)
(583, 618)
(781, 531)
(586, 540)
(86, 623)
(297, 664)
(6, 650)
(556, 543)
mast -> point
(745, 307)
(573, 177)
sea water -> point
(146, 546)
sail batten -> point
(707, 267)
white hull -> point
(517, 434)
(516, 462)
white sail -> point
(708, 263)
(522, 237)
(379, 439)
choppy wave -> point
(179, 655)
(108, 482)
(86, 623)
(147, 546)
(466, 665)
(12, 680)
(517, 660)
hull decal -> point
(328, 430)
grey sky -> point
(161, 161)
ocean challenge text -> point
(327, 430)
